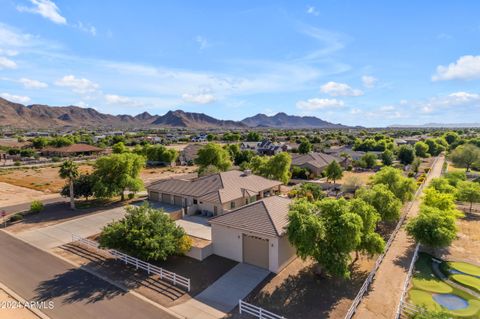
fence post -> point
(148, 268)
(240, 306)
(261, 313)
(136, 263)
(174, 278)
(161, 273)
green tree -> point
(310, 191)
(387, 157)
(393, 179)
(451, 137)
(116, 173)
(215, 155)
(406, 154)
(253, 136)
(421, 149)
(333, 171)
(383, 200)
(119, 148)
(432, 227)
(305, 147)
(369, 160)
(146, 233)
(442, 201)
(82, 187)
(465, 156)
(442, 185)
(244, 156)
(469, 192)
(371, 242)
(455, 177)
(276, 167)
(434, 146)
(161, 154)
(39, 142)
(325, 231)
(69, 171)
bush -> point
(131, 195)
(56, 159)
(15, 218)
(146, 233)
(17, 163)
(36, 206)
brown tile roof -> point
(217, 188)
(268, 216)
(315, 159)
(74, 148)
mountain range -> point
(39, 116)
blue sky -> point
(352, 62)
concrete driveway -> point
(223, 295)
(60, 234)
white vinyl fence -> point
(245, 307)
(149, 268)
(404, 307)
(380, 258)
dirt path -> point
(382, 299)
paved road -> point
(37, 275)
(57, 201)
(384, 294)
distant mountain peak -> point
(284, 120)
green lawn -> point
(467, 281)
(465, 268)
(426, 284)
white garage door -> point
(255, 251)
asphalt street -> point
(36, 275)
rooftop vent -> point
(247, 172)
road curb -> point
(16, 296)
(94, 273)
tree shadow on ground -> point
(405, 259)
(306, 295)
(76, 285)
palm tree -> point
(69, 170)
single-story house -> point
(214, 194)
(255, 234)
(265, 147)
(315, 162)
(72, 150)
(188, 155)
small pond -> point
(450, 301)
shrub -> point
(131, 195)
(17, 163)
(36, 206)
(15, 218)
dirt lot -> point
(364, 177)
(12, 195)
(201, 273)
(467, 246)
(43, 179)
(297, 292)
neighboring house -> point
(352, 155)
(314, 162)
(72, 150)
(215, 194)
(265, 147)
(188, 155)
(407, 141)
(200, 138)
(255, 234)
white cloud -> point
(369, 81)
(117, 99)
(202, 98)
(33, 84)
(466, 67)
(6, 63)
(88, 28)
(46, 8)
(339, 89)
(15, 98)
(319, 104)
(8, 52)
(78, 85)
(202, 42)
(312, 10)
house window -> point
(195, 202)
(232, 205)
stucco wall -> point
(286, 253)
